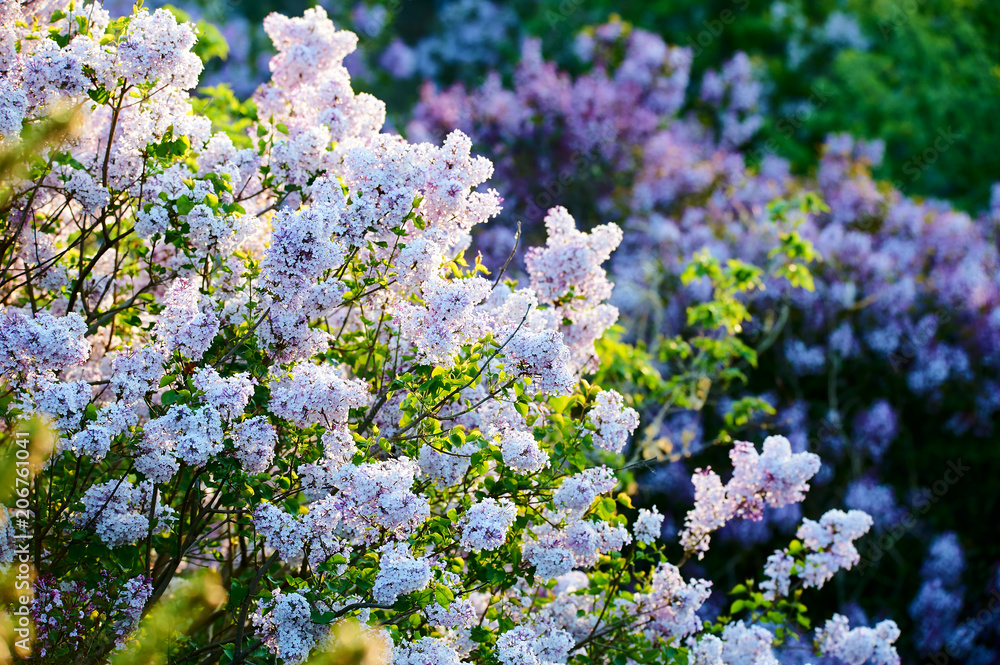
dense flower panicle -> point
(444, 323)
(541, 355)
(739, 645)
(316, 395)
(228, 396)
(377, 496)
(830, 542)
(118, 511)
(136, 371)
(566, 274)
(486, 524)
(399, 573)
(614, 421)
(96, 438)
(577, 493)
(521, 451)
(673, 603)
(425, 651)
(775, 478)
(555, 551)
(648, 526)
(522, 646)
(35, 346)
(778, 573)
(711, 511)
(859, 645)
(182, 435)
(446, 468)
(570, 263)
(62, 404)
(254, 440)
(131, 601)
(187, 323)
(284, 623)
(281, 531)
(157, 49)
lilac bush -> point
(264, 392)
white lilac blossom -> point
(778, 573)
(775, 478)
(136, 371)
(830, 544)
(521, 452)
(614, 421)
(516, 647)
(446, 468)
(399, 573)
(228, 396)
(424, 651)
(282, 532)
(578, 492)
(738, 645)
(648, 525)
(96, 438)
(187, 323)
(377, 497)
(284, 623)
(486, 523)
(859, 645)
(254, 440)
(316, 395)
(556, 550)
(673, 604)
(181, 435)
(35, 346)
(119, 511)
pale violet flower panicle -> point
(446, 468)
(614, 421)
(119, 511)
(181, 435)
(316, 395)
(284, 623)
(284, 533)
(775, 478)
(673, 604)
(521, 451)
(36, 346)
(426, 650)
(486, 523)
(648, 525)
(399, 574)
(254, 440)
(830, 543)
(778, 573)
(188, 323)
(578, 492)
(229, 396)
(859, 645)
(377, 497)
